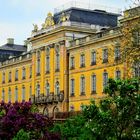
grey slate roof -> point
(14, 47)
(95, 17)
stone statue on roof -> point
(49, 21)
(35, 28)
(64, 17)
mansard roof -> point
(13, 47)
(93, 17)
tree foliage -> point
(117, 117)
(19, 117)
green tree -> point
(117, 117)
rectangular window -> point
(9, 95)
(82, 60)
(136, 38)
(47, 64)
(105, 55)
(38, 67)
(118, 74)
(57, 62)
(16, 75)
(30, 71)
(136, 69)
(93, 58)
(23, 93)
(105, 79)
(30, 94)
(23, 73)
(3, 95)
(16, 94)
(3, 78)
(93, 84)
(72, 63)
(72, 87)
(82, 84)
(10, 76)
(117, 53)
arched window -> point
(47, 88)
(16, 94)
(47, 60)
(23, 92)
(9, 95)
(37, 90)
(82, 85)
(57, 88)
(57, 61)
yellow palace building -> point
(70, 60)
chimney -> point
(10, 41)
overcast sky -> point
(17, 16)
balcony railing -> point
(47, 99)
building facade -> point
(72, 57)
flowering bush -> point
(17, 116)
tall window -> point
(47, 88)
(37, 90)
(57, 88)
(136, 36)
(47, 60)
(72, 63)
(72, 90)
(10, 76)
(82, 84)
(30, 92)
(136, 69)
(93, 84)
(118, 74)
(105, 55)
(9, 95)
(3, 77)
(16, 94)
(3, 95)
(82, 60)
(23, 92)
(30, 71)
(117, 53)
(16, 75)
(93, 58)
(105, 79)
(57, 61)
(23, 73)
(38, 63)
